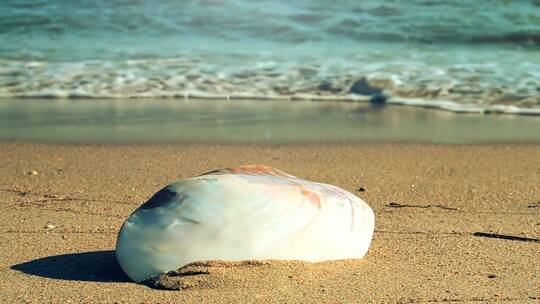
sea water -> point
(465, 56)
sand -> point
(62, 206)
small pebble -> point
(33, 172)
(50, 226)
(491, 276)
(361, 189)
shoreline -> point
(434, 205)
(322, 144)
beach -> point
(427, 110)
(454, 222)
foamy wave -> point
(464, 108)
(479, 88)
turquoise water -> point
(459, 55)
(212, 121)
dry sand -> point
(62, 205)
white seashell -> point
(245, 213)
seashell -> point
(245, 213)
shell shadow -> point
(93, 266)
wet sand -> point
(453, 223)
(128, 121)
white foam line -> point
(194, 94)
(463, 108)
